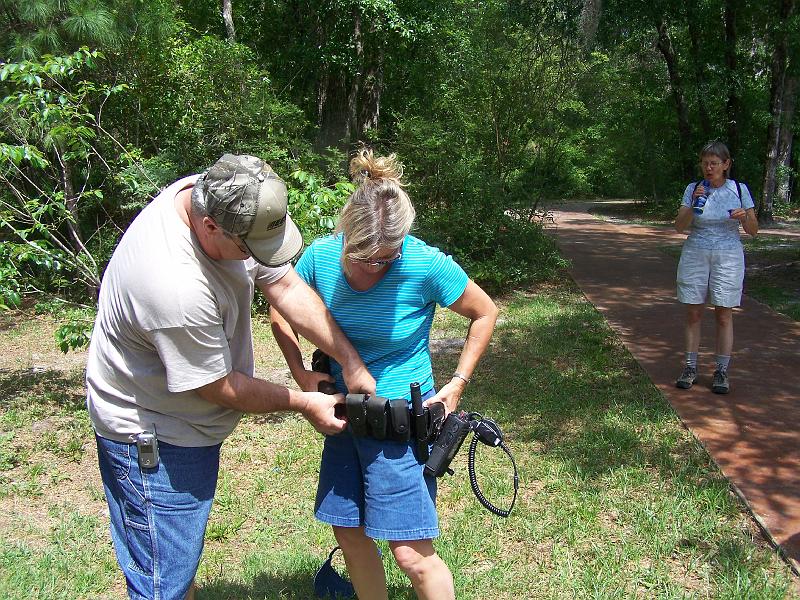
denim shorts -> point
(158, 516)
(376, 484)
(713, 276)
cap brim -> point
(280, 248)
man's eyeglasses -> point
(378, 263)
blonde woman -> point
(382, 286)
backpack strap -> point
(739, 192)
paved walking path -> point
(753, 433)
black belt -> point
(384, 419)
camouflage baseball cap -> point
(247, 199)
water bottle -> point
(700, 202)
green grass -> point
(617, 499)
(774, 275)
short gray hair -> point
(718, 149)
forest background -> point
(496, 109)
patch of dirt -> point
(29, 343)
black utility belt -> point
(384, 419)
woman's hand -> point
(449, 395)
(698, 191)
(739, 214)
(309, 380)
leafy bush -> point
(314, 206)
(49, 156)
(499, 252)
(9, 280)
(139, 179)
(215, 99)
(75, 331)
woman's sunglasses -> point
(378, 263)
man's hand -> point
(296, 308)
(320, 412)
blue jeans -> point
(377, 484)
(158, 516)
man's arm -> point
(290, 346)
(305, 312)
(253, 395)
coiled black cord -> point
(480, 435)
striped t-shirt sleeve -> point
(446, 280)
(305, 266)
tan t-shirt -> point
(170, 320)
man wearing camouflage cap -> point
(171, 368)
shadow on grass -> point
(568, 388)
(271, 587)
(560, 385)
(54, 387)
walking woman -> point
(382, 286)
(711, 268)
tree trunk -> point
(372, 89)
(227, 16)
(776, 108)
(773, 135)
(590, 19)
(733, 104)
(684, 131)
(784, 184)
(352, 128)
(331, 94)
(695, 50)
(334, 113)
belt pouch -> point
(376, 416)
(435, 417)
(399, 420)
(356, 413)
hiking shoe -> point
(720, 384)
(687, 378)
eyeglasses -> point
(712, 163)
(378, 263)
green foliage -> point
(139, 179)
(9, 280)
(48, 145)
(41, 27)
(214, 98)
(314, 206)
(499, 252)
(75, 333)
(490, 106)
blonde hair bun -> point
(366, 166)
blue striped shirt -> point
(389, 324)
